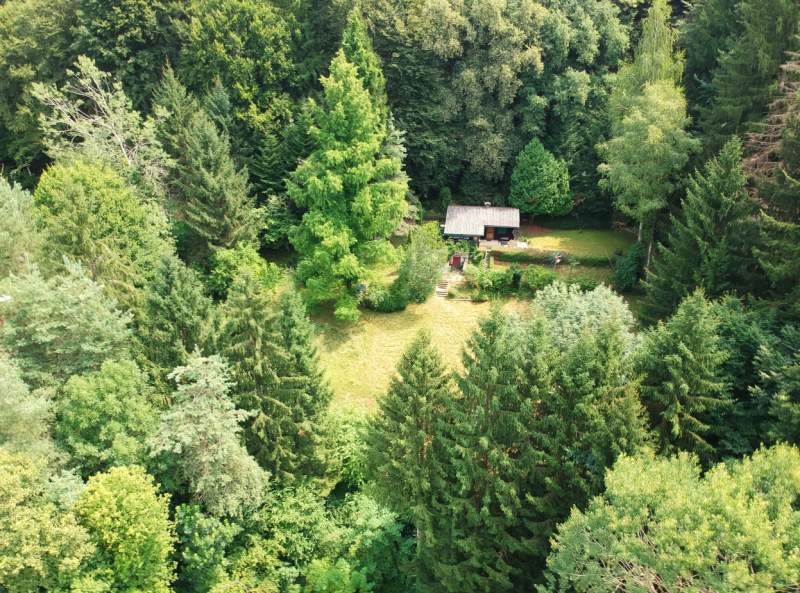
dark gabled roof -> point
(471, 220)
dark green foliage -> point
(629, 268)
(277, 378)
(407, 455)
(541, 257)
(176, 318)
(267, 168)
(778, 388)
(745, 80)
(540, 182)
(534, 278)
(710, 242)
(681, 365)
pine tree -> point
(298, 143)
(406, 442)
(710, 241)
(216, 204)
(480, 534)
(354, 197)
(176, 318)
(278, 378)
(680, 364)
(267, 168)
(178, 107)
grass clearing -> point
(360, 358)
(599, 243)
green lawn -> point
(577, 242)
(360, 358)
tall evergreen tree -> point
(267, 168)
(680, 364)
(357, 47)
(406, 443)
(177, 106)
(353, 194)
(278, 378)
(710, 242)
(480, 535)
(176, 318)
(746, 79)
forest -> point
(236, 354)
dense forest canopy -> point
(211, 211)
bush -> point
(227, 264)
(585, 282)
(422, 264)
(629, 269)
(386, 299)
(537, 256)
(493, 281)
(535, 278)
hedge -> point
(542, 257)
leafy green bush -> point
(585, 282)
(227, 264)
(535, 278)
(422, 264)
(493, 281)
(386, 299)
(539, 256)
(629, 269)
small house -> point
(480, 222)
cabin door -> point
(490, 233)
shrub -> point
(386, 299)
(535, 278)
(629, 269)
(493, 281)
(540, 182)
(537, 256)
(422, 264)
(227, 264)
(585, 282)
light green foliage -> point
(422, 262)
(568, 312)
(279, 218)
(709, 244)
(24, 416)
(20, 240)
(324, 576)
(649, 144)
(203, 541)
(352, 194)
(745, 80)
(243, 260)
(42, 548)
(92, 117)
(104, 417)
(247, 47)
(661, 525)
(90, 214)
(357, 48)
(534, 278)
(128, 521)
(198, 442)
(540, 182)
(344, 447)
(60, 326)
(176, 318)
(778, 389)
(680, 362)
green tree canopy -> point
(540, 182)
(20, 241)
(353, 195)
(663, 524)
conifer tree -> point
(354, 196)
(176, 318)
(481, 537)
(746, 79)
(357, 47)
(267, 168)
(406, 441)
(177, 107)
(680, 367)
(277, 376)
(216, 203)
(709, 244)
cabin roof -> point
(472, 220)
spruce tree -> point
(278, 378)
(480, 533)
(216, 204)
(176, 318)
(267, 168)
(406, 442)
(177, 107)
(680, 364)
(710, 242)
